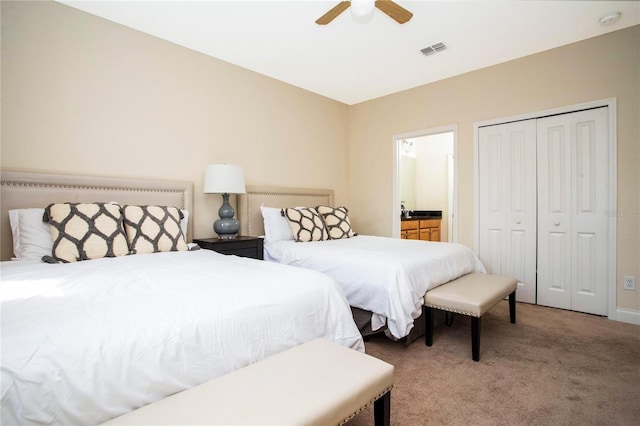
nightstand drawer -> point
(243, 252)
(240, 246)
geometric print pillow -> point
(85, 231)
(337, 222)
(306, 224)
(152, 229)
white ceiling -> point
(352, 62)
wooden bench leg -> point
(475, 338)
(382, 410)
(512, 306)
(428, 322)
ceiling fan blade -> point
(394, 10)
(333, 13)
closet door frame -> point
(613, 181)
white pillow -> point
(184, 222)
(276, 226)
(31, 236)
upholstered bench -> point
(316, 383)
(472, 295)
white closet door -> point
(507, 203)
(573, 188)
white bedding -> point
(387, 276)
(87, 341)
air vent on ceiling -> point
(434, 48)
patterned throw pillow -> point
(152, 229)
(85, 231)
(306, 224)
(337, 222)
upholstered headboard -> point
(25, 190)
(249, 213)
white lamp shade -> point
(223, 179)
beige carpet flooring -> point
(553, 367)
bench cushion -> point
(472, 294)
(318, 382)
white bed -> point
(87, 341)
(385, 276)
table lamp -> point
(224, 179)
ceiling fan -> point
(365, 8)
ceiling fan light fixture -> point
(362, 10)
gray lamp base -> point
(226, 227)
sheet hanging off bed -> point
(88, 341)
(387, 276)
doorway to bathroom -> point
(425, 178)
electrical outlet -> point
(629, 283)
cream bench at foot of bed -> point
(472, 295)
(316, 383)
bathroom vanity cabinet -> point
(427, 229)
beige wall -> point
(603, 67)
(83, 95)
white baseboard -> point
(628, 316)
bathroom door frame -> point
(453, 193)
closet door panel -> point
(519, 262)
(521, 210)
(494, 250)
(554, 278)
(507, 203)
(590, 222)
(573, 187)
(586, 264)
(554, 213)
(492, 217)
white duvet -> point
(387, 276)
(88, 341)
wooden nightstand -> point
(239, 246)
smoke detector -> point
(610, 19)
